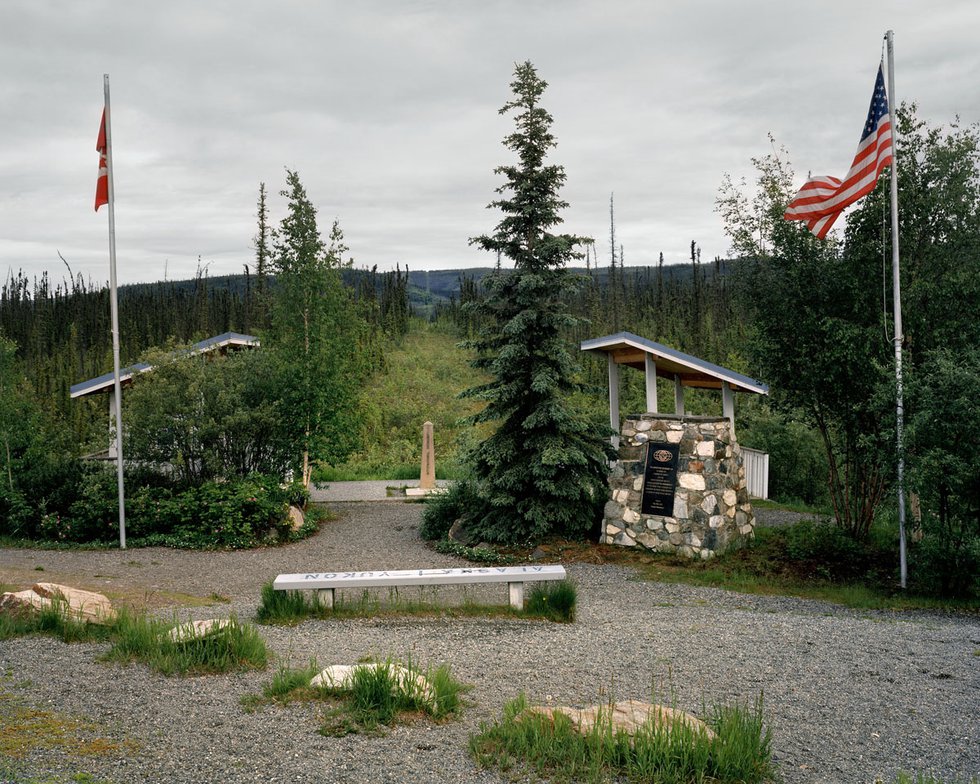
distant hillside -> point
(430, 288)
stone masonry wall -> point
(711, 503)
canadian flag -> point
(102, 186)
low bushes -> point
(237, 512)
(233, 513)
(442, 510)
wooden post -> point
(728, 405)
(678, 396)
(613, 398)
(650, 366)
(427, 478)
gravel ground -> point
(850, 695)
(371, 490)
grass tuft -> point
(554, 601)
(905, 777)
(380, 694)
(286, 607)
(523, 742)
(234, 648)
(55, 620)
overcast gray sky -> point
(388, 110)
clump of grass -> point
(905, 777)
(669, 754)
(287, 685)
(142, 638)
(55, 620)
(384, 693)
(287, 607)
(552, 600)
(379, 694)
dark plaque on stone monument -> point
(660, 479)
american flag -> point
(822, 199)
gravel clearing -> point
(851, 695)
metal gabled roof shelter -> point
(625, 348)
(104, 383)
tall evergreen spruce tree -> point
(544, 470)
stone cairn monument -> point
(678, 487)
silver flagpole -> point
(897, 294)
(114, 307)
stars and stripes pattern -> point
(821, 200)
(102, 185)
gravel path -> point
(851, 695)
(371, 490)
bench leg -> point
(324, 598)
(516, 595)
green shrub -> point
(239, 512)
(482, 555)
(945, 568)
(797, 458)
(944, 468)
(94, 514)
(442, 510)
(832, 551)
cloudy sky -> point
(388, 110)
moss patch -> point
(27, 730)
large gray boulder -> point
(627, 716)
(81, 605)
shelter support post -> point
(614, 399)
(650, 368)
(728, 405)
(678, 396)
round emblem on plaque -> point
(662, 455)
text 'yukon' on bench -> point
(324, 583)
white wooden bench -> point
(324, 583)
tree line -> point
(61, 328)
